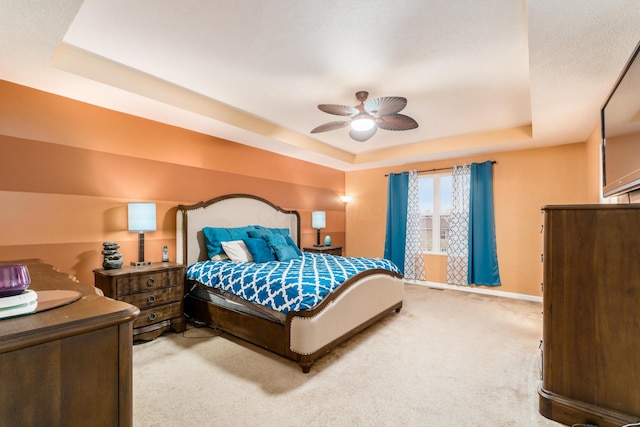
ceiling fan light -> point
(362, 122)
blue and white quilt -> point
(299, 284)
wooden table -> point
(330, 250)
(157, 289)
(70, 365)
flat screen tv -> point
(620, 120)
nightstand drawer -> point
(153, 298)
(143, 282)
(158, 314)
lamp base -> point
(140, 263)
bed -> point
(302, 336)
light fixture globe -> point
(362, 122)
(369, 116)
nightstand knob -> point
(151, 299)
(152, 316)
(151, 281)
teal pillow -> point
(282, 231)
(213, 236)
(259, 233)
(279, 245)
(285, 253)
(293, 244)
(259, 250)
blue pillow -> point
(258, 233)
(285, 253)
(279, 245)
(214, 236)
(293, 244)
(283, 231)
(259, 250)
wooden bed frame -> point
(305, 336)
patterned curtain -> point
(458, 249)
(413, 257)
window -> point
(435, 208)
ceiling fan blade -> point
(338, 110)
(362, 135)
(396, 122)
(385, 105)
(330, 126)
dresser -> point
(330, 250)
(591, 315)
(157, 289)
(70, 365)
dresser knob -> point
(152, 316)
(151, 299)
(151, 281)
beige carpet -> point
(449, 358)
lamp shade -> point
(318, 219)
(142, 216)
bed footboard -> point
(371, 296)
(367, 299)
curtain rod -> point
(493, 162)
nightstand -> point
(156, 289)
(330, 250)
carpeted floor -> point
(449, 358)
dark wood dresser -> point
(70, 365)
(591, 319)
(157, 289)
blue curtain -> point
(398, 195)
(483, 256)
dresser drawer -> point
(143, 282)
(158, 314)
(154, 297)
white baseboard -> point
(476, 290)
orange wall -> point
(524, 181)
(67, 170)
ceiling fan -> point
(367, 117)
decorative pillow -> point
(214, 236)
(293, 245)
(259, 249)
(283, 231)
(220, 257)
(258, 233)
(286, 253)
(237, 251)
(279, 245)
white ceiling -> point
(480, 76)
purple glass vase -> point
(14, 279)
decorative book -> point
(23, 303)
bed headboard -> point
(233, 210)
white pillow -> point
(237, 251)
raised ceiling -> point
(480, 76)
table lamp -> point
(142, 217)
(318, 221)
